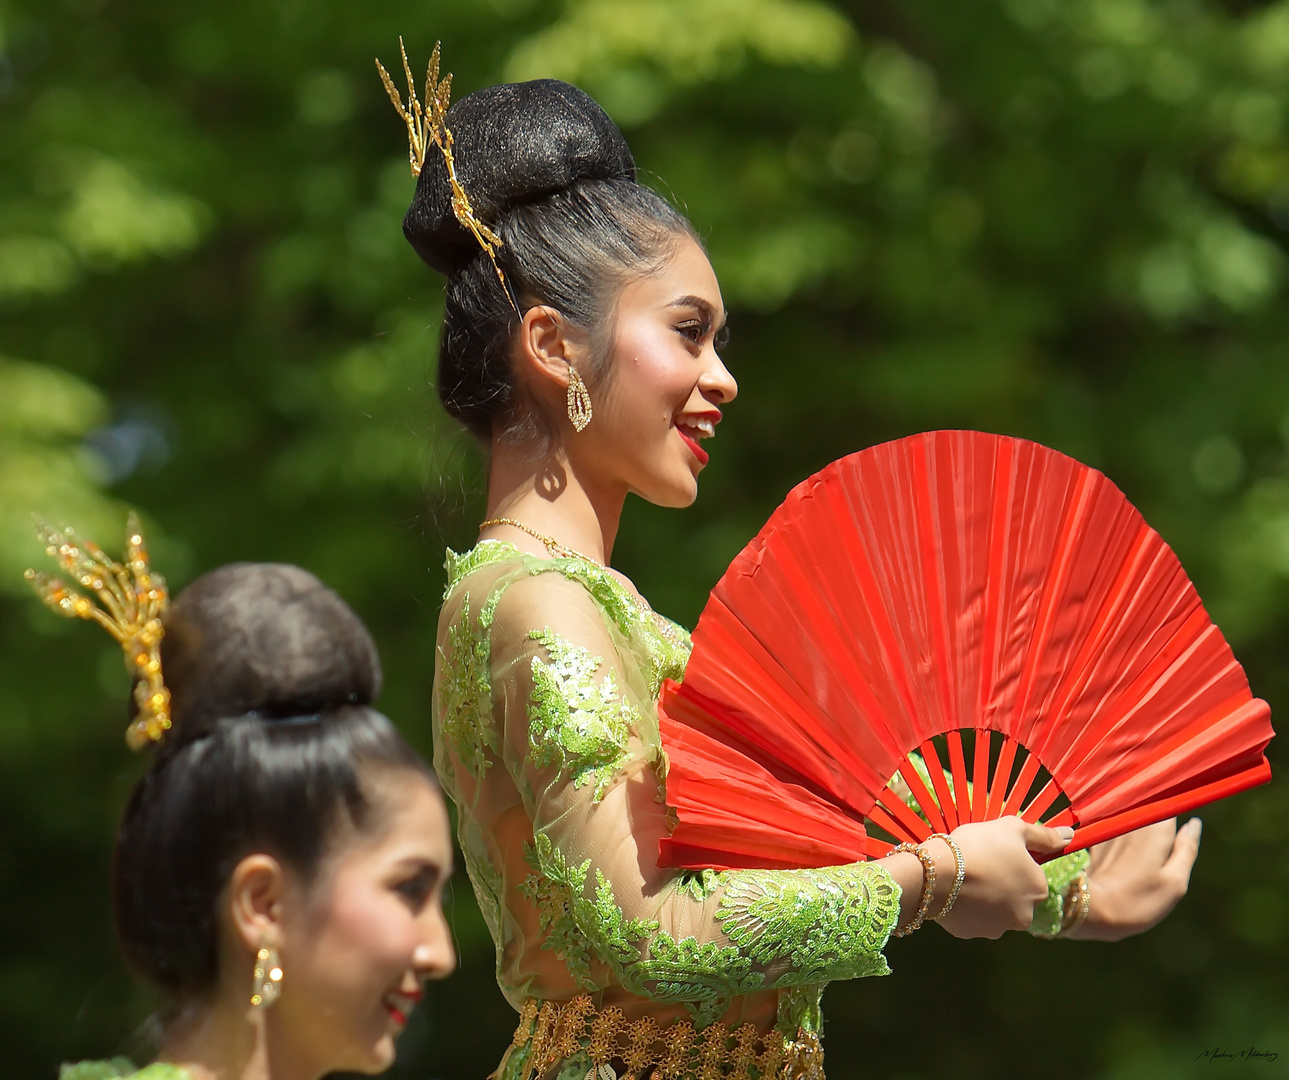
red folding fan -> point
(974, 624)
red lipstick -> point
(698, 451)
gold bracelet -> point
(1078, 901)
(959, 873)
(928, 886)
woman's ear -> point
(547, 345)
(255, 893)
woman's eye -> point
(416, 891)
(722, 338)
(692, 331)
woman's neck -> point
(228, 1041)
(550, 497)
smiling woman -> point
(280, 866)
(580, 343)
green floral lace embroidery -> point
(487, 885)
(555, 891)
(609, 593)
(459, 567)
(698, 884)
(1061, 872)
(574, 722)
(120, 1069)
(465, 694)
(826, 924)
(801, 1007)
(703, 977)
(669, 648)
(646, 961)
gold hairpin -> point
(428, 124)
(131, 600)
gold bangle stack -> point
(959, 873)
(1078, 901)
(928, 886)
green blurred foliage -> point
(1062, 219)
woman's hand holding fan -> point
(1138, 878)
(1002, 882)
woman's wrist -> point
(930, 875)
(1078, 902)
(953, 881)
(1070, 910)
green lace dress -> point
(120, 1069)
(546, 738)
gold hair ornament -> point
(131, 600)
(428, 124)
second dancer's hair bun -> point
(514, 143)
(263, 638)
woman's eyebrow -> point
(702, 305)
(418, 865)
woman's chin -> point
(673, 496)
(379, 1057)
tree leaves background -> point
(1061, 220)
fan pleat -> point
(947, 583)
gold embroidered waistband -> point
(552, 1032)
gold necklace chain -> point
(553, 546)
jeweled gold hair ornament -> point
(131, 600)
(428, 124)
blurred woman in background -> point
(280, 866)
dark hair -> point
(547, 170)
(271, 677)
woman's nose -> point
(717, 382)
(435, 957)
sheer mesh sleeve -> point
(573, 684)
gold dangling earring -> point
(266, 980)
(579, 400)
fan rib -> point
(883, 820)
(943, 793)
(1140, 816)
(925, 800)
(961, 789)
(995, 578)
(1038, 805)
(929, 537)
(911, 824)
(1002, 774)
(980, 773)
(1021, 787)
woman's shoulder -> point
(495, 567)
(496, 554)
(120, 1069)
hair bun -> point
(512, 144)
(267, 638)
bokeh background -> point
(1060, 219)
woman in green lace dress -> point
(582, 351)
(280, 866)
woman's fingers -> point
(1044, 841)
(1138, 878)
(1185, 851)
